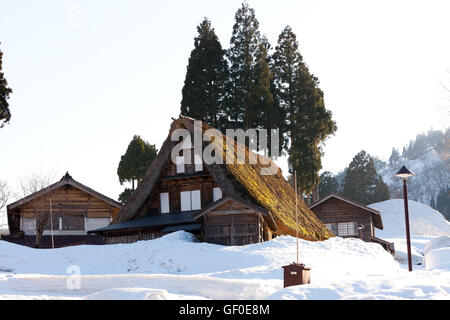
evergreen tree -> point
(247, 60)
(328, 184)
(308, 123)
(395, 157)
(206, 78)
(443, 202)
(362, 183)
(432, 203)
(134, 163)
(312, 125)
(5, 114)
(125, 195)
(287, 63)
(268, 113)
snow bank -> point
(423, 285)
(178, 253)
(437, 253)
(176, 266)
(439, 258)
(139, 294)
(437, 243)
(423, 219)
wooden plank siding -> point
(172, 183)
(334, 210)
(131, 238)
(233, 224)
(71, 205)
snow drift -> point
(423, 220)
(437, 253)
(177, 266)
(180, 254)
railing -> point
(131, 238)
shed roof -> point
(184, 227)
(150, 222)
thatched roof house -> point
(226, 199)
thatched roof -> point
(244, 181)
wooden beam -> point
(234, 211)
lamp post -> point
(404, 174)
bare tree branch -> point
(41, 206)
(5, 194)
(444, 91)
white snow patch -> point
(177, 266)
(138, 294)
(423, 220)
(423, 285)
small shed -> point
(350, 219)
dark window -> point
(54, 219)
(73, 222)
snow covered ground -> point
(178, 267)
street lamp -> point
(404, 174)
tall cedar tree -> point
(5, 114)
(249, 87)
(206, 78)
(362, 183)
(268, 112)
(308, 122)
(287, 62)
(134, 163)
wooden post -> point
(51, 224)
(231, 230)
(296, 216)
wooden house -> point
(71, 208)
(347, 218)
(229, 203)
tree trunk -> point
(316, 193)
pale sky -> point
(88, 75)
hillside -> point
(428, 157)
(431, 174)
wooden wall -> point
(173, 183)
(334, 211)
(70, 204)
(233, 224)
(131, 238)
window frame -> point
(164, 196)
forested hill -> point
(428, 157)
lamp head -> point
(404, 173)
